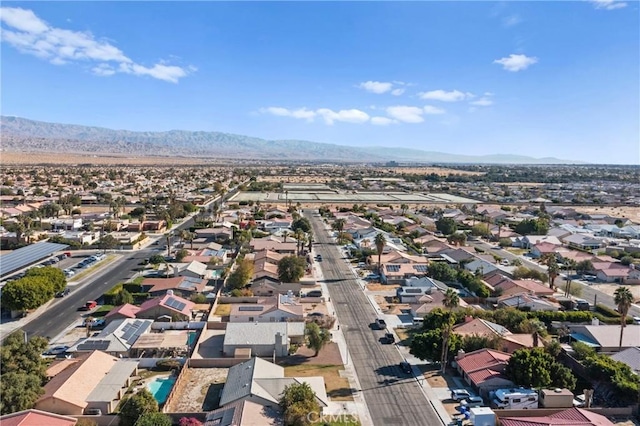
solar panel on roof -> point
(393, 268)
(413, 290)
(421, 268)
(250, 308)
(175, 304)
(94, 345)
(24, 256)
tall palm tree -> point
(451, 300)
(299, 236)
(310, 240)
(623, 298)
(380, 241)
(285, 234)
(553, 270)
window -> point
(250, 319)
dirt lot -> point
(611, 288)
(9, 158)
(632, 213)
(338, 388)
(382, 287)
(199, 390)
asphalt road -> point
(393, 397)
(64, 311)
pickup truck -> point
(388, 339)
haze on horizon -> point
(542, 79)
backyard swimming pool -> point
(191, 340)
(160, 388)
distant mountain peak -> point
(25, 135)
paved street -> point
(393, 398)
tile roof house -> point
(121, 312)
(429, 302)
(67, 392)
(528, 301)
(401, 257)
(508, 286)
(571, 417)
(278, 309)
(543, 248)
(509, 342)
(185, 286)
(269, 287)
(396, 273)
(36, 418)
(169, 305)
(583, 242)
(262, 382)
(270, 243)
(245, 413)
(484, 370)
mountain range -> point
(24, 135)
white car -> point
(460, 394)
(636, 320)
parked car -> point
(68, 273)
(472, 401)
(315, 293)
(636, 320)
(388, 338)
(63, 293)
(460, 394)
(92, 412)
(380, 324)
(88, 306)
(57, 350)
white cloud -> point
(346, 115)
(608, 4)
(377, 87)
(31, 35)
(512, 20)
(428, 109)
(382, 121)
(444, 96)
(484, 101)
(329, 116)
(406, 114)
(516, 63)
(397, 92)
(301, 113)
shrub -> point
(110, 295)
(168, 365)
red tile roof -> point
(570, 417)
(126, 310)
(36, 418)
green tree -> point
(20, 391)
(428, 345)
(18, 356)
(380, 241)
(584, 266)
(442, 272)
(122, 298)
(623, 298)
(536, 368)
(481, 230)
(291, 269)
(317, 337)
(154, 419)
(457, 238)
(451, 300)
(133, 407)
(302, 224)
(446, 225)
(552, 268)
(181, 254)
(26, 293)
(297, 401)
(242, 275)
(626, 260)
(107, 243)
(54, 276)
(156, 259)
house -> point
(217, 234)
(606, 338)
(629, 356)
(168, 307)
(168, 343)
(570, 417)
(429, 302)
(484, 370)
(543, 248)
(611, 272)
(483, 267)
(525, 301)
(412, 294)
(265, 339)
(273, 244)
(182, 285)
(507, 286)
(396, 273)
(584, 242)
(509, 342)
(262, 382)
(278, 309)
(245, 413)
(192, 269)
(113, 386)
(267, 287)
(401, 257)
(264, 269)
(67, 391)
(529, 241)
(116, 339)
(121, 312)
(208, 255)
(36, 418)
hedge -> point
(131, 287)
(109, 296)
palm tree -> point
(623, 298)
(310, 240)
(450, 301)
(299, 236)
(285, 234)
(380, 241)
(553, 270)
(338, 225)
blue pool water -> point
(160, 388)
(192, 339)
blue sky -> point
(541, 79)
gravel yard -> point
(198, 390)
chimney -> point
(468, 318)
(461, 354)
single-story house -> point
(584, 242)
(413, 294)
(527, 301)
(606, 338)
(168, 307)
(484, 370)
(263, 382)
(570, 417)
(36, 418)
(529, 241)
(543, 248)
(115, 339)
(181, 285)
(629, 356)
(270, 243)
(396, 273)
(245, 412)
(509, 342)
(121, 312)
(277, 309)
(263, 338)
(268, 287)
(110, 390)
